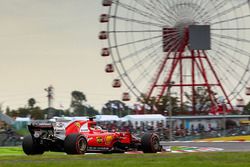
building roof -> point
(107, 118)
(210, 117)
(145, 117)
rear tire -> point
(150, 143)
(75, 144)
(30, 147)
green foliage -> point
(34, 113)
(77, 98)
(51, 112)
(81, 110)
(116, 107)
(31, 102)
(79, 106)
(15, 157)
(23, 132)
(163, 105)
(202, 98)
(247, 109)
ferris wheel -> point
(153, 46)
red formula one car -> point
(78, 137)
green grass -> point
(14, 157)
(23, 132)
(10, 151)
(17, 151)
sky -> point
(52, 42)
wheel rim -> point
(155, 143)
(82, 145)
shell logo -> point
(108, 139)
(77, 124)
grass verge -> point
(211, 159)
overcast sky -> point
(51, 42)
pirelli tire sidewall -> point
(30, 147)
(150, 143)
(75, 144)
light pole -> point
(224, 118)
(50, 91)
(221, 100)
(170, 110)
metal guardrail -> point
(9, 139)
(5, 118)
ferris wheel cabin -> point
(104, 18)
(103, 35)
(106, 2)
(240, 102)
(105, 52)
(125, 96)
(248, 91)
(116, 83)
(109, 68)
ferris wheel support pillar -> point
(161, 68)
(203, 72)
(218, 80)
(178, 56)
(193, 83)
(181, 82)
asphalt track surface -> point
(226, 146)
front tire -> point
(150, 143)
(75, 144)
(30, 147)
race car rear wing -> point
(41, 129)
(40, 125)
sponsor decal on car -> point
(108, 139)
(98, 148)
(77, 124)
(99, 140)
(88, 139)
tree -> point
(1, 107)
(36, 113)
(154, 105)
(92, 112)
(115, 107)
(77, 98)
(31, 102)
(202, 101)
(79, 106)
(52, 112)
(246, 110)
(168, 103)
(7, 110)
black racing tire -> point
(150, 143)
(30, 147)
(75, 144)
